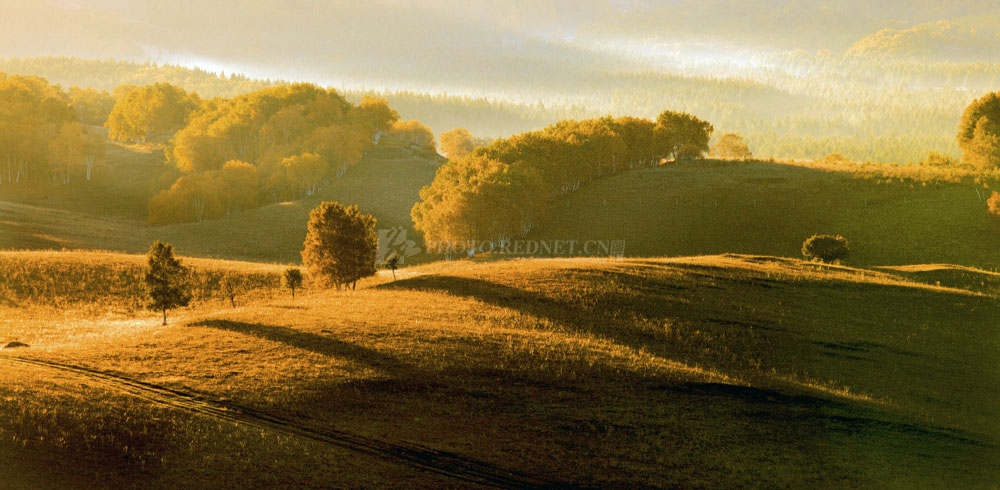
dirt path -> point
(415, 456)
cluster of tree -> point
(160, 109)
(942, 39)
(792, 105)
(107, 75)
(459, 142)
(40, 133)
(168, 283)
(275, 144)
(502, 190)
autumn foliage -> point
(503, 190)
(276, 144)
(41, 137)
(341, 245)
(979, 132)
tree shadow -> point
(596, 319)
(319, 344)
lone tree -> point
(292, 279)
(826, 248)
(166, 279)
(731, 146)
(341, 245)
(979, 132)
(392, 263)
(232, 285)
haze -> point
(445, 43)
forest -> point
(792, 105)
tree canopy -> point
(341, 245)
(152, 110)
(166, 279)
(40, 136)
(731, 146)
(289, 140)
(503, 190)
(979, 132)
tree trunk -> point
(164, 316)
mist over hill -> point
(874, 81)
(449, 44)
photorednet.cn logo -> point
(530, 248)
(393, 242)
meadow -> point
(891, 215)
(698, 372)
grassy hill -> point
(690, 209)
(703, 372)
(766, 208)
(109, 212)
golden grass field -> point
(728, 371)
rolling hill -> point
(108, 213)
(771, 208)
(691, 209)
(700, 372)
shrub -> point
(825, 248)
(993, 204)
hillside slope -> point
(109, 213)
(703, 372)
(764, 208)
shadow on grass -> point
(566, 313)
(831, 415)
(315, 343)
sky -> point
(340, 42)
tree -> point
(152, 110)
(94, 151)
(232, 285)
(376, 115)
(458, 143)
(92, 106)
(392, 262)
(826, 248)
(688, 153)
(341, 245)
(731, 146)
(993, 204)
(305, 173)
(675, 130)
(416, 133)
(66, 151)
(238, 186)
(166, 279)
(292, 279)
(33, 114)
(979, 133)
